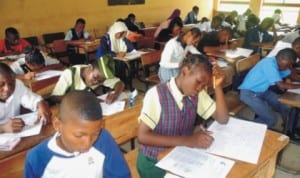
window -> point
(229, 5)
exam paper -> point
(195, 163)
(134, 54)
(238, 139)
(121, 97)
(238, 52)
(47, 74)
(108, 109)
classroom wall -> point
(35, 17)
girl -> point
(175, 51)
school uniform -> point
(70, 79)
(191, 18)
(21, 96)
(256, 93)
(103, 159)
(73, 35)
(4, 49)
(171, 57)
(168, 112)
(258, 36)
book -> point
(8, 143)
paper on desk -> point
(12, 57)
(121, 97)
(294, 90)
(221, 63)
(238, 52)
(47, 74)
(108, 109)
(134, 54)
(30, 128)
(195, 163)
(238, 139)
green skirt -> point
(146, 167)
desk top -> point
(90, 46)
(271, 146)
(291, 99)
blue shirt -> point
(263, 75)
(104, 159)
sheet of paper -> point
(238, 52)
(191, 163)
(222, 63)
(238, 139)
(108, 109)
(294, 90)
(47, 74)
(12, 57)
(134, 54)
(31, 128)
(121, 97)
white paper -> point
(295, 90)
(108, 109)
(238, 139)
(195, 163)
(134, 54)
(222, 63)
(121, 97)
(238, 52)
(30, 127)
(47, 74)
(12, 57)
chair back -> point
(33, 40)
(50, 37)
(145, 42)
(61, 52)
(151, 58)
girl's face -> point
(194, 80)
(176, 30)
(34, 67)
(93, 77)
(7, 86)
(191, 39)
(120, 35)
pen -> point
(203, 129)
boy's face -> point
(94, 77)
(7, 86)
(77, 135)
(195, 80)
(192, 39)
(12, 39)
(79, 27)
(284, 64)
(297, 49)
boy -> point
(88, 77)
(81, 147)
(269, 73)
(169, 113)
(13, 95)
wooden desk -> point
(265, 167)
(89, 48)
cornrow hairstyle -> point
(196, 59)
(33, 56)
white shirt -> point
(204, 27)
(173, 53)
(69, 35)
(22, 96)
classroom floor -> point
(289, 164)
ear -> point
(56, 122)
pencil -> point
(214, 81)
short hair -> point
(227, 30)
(287, 54)
(217, 19)
(196, 59)
(80, 20)
(83, 103)
(33, 56)
(296, 41)
(5, 69)
(131, 15)
(277, 11)
(195, 31)
(175, 21)
(195, 8)
(13, 31)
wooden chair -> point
(233, 97)
(60, 51)
(123, 128)
(150, 62)
(50, 37)
(145, 42)
(33, 40)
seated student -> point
(114, 43)
(259, 36)
(277, 17)
(130, 23)
(231, 19)
(12, 44)
(281, 45)
(34, 60)
(175, 51)
(74, 37)
(169, 111)
(81, 147)
(191, 17)
(165, 24)
(13, 95)
(258, 88)
(214, 39)
(252, 21)
(87, 77)
(209, 26)
(174, 29)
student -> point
(257, 89)
(12, 44)
(175, 51)
(88, 77)
(252, 22)
(130, 23)
(214, 39)
(33, 61)
(281, 45)
(13, 95)
(174, 29)
(209, 26)
(191, 17)
(74, 37)
(277, 17)
(115, 44)
(81, 147)
(259, 36)
(165, 24)
(169, 111)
